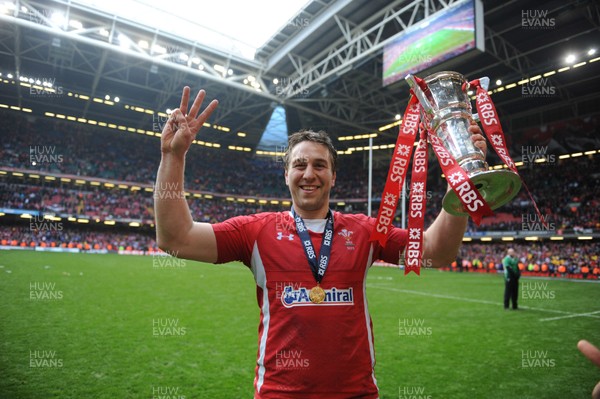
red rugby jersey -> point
(308, 350)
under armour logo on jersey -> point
(280, 236)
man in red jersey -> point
(309, 263)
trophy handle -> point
(416, 89)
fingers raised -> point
(208, 110)
(192, 119)
(197, 103)
(185, 97)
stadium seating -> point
(562, 191)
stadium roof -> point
(236, 26)
(324, 65)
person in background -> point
(511, 279)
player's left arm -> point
(444, 237)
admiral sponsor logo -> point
(333, 296)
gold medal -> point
(316, 294)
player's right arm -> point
(176, 232)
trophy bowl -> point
(447, 112)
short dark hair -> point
(319, 137)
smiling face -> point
(309, 175)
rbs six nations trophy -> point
(441, 103)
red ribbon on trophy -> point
(495, 134)
(397, 172)
(417, 206)
(471, 199)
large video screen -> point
(444, 35)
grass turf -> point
(441, 335)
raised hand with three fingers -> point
(182, 126)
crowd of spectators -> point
(565, 259)
(60, 235)
(532, 256)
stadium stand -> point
(562, 192)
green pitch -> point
(107, 326)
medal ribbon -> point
(397, 172)
(495, 135)
(416, 214)
(318, 269)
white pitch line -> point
(569, 314)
